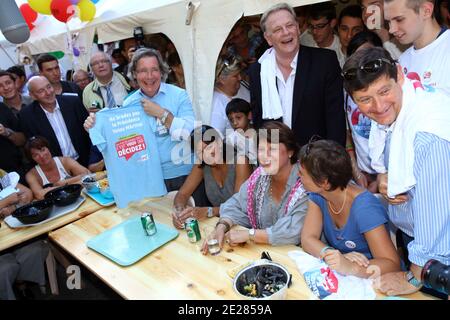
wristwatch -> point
(413, 280)
(210, 212)
(164, 117)
(251, 234)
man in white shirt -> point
(320, 34)
(427, 61)
(349, 24)
(373, 17)
(59, 119)
(109, 87)
(298, 85)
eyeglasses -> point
(369, 67)
(318, 26)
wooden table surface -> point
(10, 237)
(178, 270)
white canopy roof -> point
(198, 44)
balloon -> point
(76, 52)
(57, 54)
(62, 10)
(87, 10)
(41, 6)
(28, 14)
(74, 2)
(95, 1)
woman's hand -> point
(198, 213)
(358, 258)
(219, 235)
(336, 261)
(236, 237)
(89, 123)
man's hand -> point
(382, 179)
(152, 109)
(395, 283)
(3, 131)
(89, 123)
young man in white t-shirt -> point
(427, 61)
(373, 18)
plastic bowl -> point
(248, 275)
(33, 212)
(64, 196)
(90, 184)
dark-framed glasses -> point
(318, 26)
(372, 66)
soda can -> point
(192, 229)
(148, 223)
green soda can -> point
(192, 229)
(148, 223)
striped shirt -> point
(426, 214)
(62, 135)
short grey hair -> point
(147, 52)
(273, 9)
(106, 55)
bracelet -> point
(226, 224)
(324, 249)
(350, 149)
(164, 117)
(349, 146)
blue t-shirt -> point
(173, 146)
(126, 138)
(366, 213)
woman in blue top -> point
(352, 219)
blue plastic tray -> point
(127, 242)
(97, 197)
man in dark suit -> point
(58, 119)
(300, 86)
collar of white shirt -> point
(48, 112)
(293, 66)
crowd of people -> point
(327, 131)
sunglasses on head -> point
(309, 146)
(227, 62)
(372, 66)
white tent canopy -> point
(198, 44)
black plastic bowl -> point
(33, 212)
(63, 196)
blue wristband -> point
(324, 249)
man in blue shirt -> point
(417, 146)
(171, 108)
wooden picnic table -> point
(177, 270)
(10, 237)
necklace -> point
(343, 204)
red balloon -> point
(28, 14)
(62, 10)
